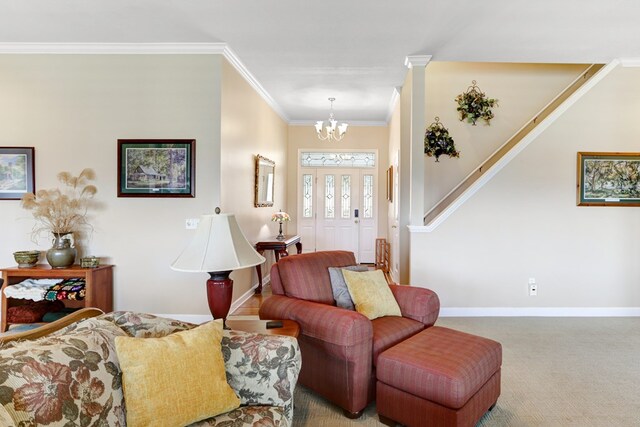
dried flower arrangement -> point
(62, 211)
(438, 142)
(474, 105)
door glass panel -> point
(346, 196)
(367, 192)
(307, 196)
(329, 196)
(338, 160)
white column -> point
(417, 65)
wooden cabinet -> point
(98, 285)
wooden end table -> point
(289, 328)
(279, 248)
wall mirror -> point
(265, 177)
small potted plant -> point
(438, 142)
(474, 105)
(61, 212)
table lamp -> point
(218, 248)
(280, 217)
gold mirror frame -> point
(265, 182)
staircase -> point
(502, 155)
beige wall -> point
(393, 232)
(522, 91)
(73, 109)
(357, 138)
(250, 127)
(524, 223)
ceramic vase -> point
(61, 255)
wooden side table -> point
(279, 248)
(289, 328)
(98, 286)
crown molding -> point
(113, 48)
(417, 61)
(350, 123)
(146, 49)
(630, 62)
(253, 82)
(395, 96)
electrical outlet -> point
(191, 223)
(533, 290)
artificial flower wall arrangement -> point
(474, 105)
(62, 211)
(438, 142)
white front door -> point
(337, 211)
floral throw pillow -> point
(65, 380)
(143, 325)
(262, 369)
(256, 416)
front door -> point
(337, 211)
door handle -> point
(357, 221)
(394, 226)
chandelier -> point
(330, 129)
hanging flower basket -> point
(438, 142)
(474, 105)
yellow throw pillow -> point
(371, 293)
(175, 380)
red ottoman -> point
(438, 377)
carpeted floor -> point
(555, 372)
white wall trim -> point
(253, 82)
(540, 312)
(147, 49)
(487, 312)
(201, 318)
(113, 48)
(630, 62)
(507, 158)
(395, 97)
(351, 123)
(416, 60)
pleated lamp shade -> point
(218, 245)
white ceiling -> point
(304, 52)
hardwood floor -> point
(252, 305)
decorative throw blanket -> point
(69, 289)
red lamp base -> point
(219, 293)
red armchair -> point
(340, 347)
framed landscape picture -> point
(16, 172)
(156, 167)
(608, 179)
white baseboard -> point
(201, 318)
(540, 312)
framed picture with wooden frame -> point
(17, 172)
(156, 168)
(608, 179)
(390, 184)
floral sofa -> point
(71, 377)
